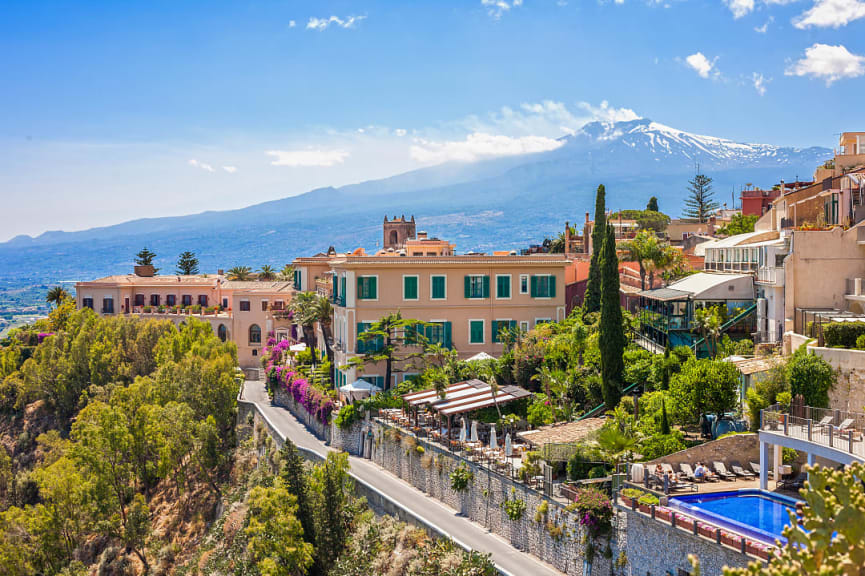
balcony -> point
(740, 267)
(855, 289)
(178, 312)
(770, 275)
(841, 432)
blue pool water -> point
(760, 515)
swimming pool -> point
(754, 513)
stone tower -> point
(397, 231)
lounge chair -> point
(795, 484)
(741, 472)
(824, 422)
(687, 471)
(721, 471)
(756, 468)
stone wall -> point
(848, 393)
(742, 447)
(283, 398)
(483, 501)
(656, 549)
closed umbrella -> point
(474, 435)
(463, 431)
(509, 451)
(493, 442)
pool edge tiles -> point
(682, 504)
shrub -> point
(661, 445)
(598, 472)
(811, 376)
(346, 416)
(648, 500)
(514, 507)
(860, 342)
(461, 477)
(541, 511)
(632, 493)
(843, 334)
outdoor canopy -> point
(359, 389)
(465, 397)
(480, 356)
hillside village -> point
(621, 388)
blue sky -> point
(116, 110)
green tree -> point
(557, 244)
(702, 387)
(665, 422)
(739, 224)
(266, 273)
(145, 258)
(275, 534)
(334, 511)
(611, 334)
(592, 299)
(700, 203)
(652, 206)
(644, 248)
(239, 273)
(830, 538)
(811, 376)
(137, 529)
(614, 444)
(708, 321)
(393, 340)
(57, 295)
(187, 264)
(294, 476)
(306, 307)
(287, 273)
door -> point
(126, 305)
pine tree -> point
(611, 334)
(700, 203)
(592, 300)
(187, 264)
(653, 204)
(146, 258)
(294, 475)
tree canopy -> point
(592, 298)
(187, 263)
(700, 203)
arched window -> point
(394, 238)
(254, 334)
(222, 332)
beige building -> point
(466, 300)
(243, 312)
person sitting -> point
(701, 473)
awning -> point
(465, 397)
(297, 347)
(665, 294)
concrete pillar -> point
(777, 464)
(764, 465)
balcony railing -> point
(836, 429)
(730, 266)
(770, 275)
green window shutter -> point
(486, 284)
(552, 286)
(360, 343)
(447, 337)
(512, 324)
(409, 287)
(476, 332)
(534, 288)
(503, 287)
(468, 283)
(373, 288)
(495, 331)
(361, 282)
(342, 287)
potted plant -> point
(161, 309)
(146, 309)
(195, 309)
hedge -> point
(842, 334)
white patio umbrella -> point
(474, 434)
(493, 441)
(297, 347)
(463, 431)
(480, 356)
(509, 450)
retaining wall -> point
(281, 397)
(742, 447)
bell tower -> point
(397, 231)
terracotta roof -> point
(568, 433)
(754, 365)
(538, 259)
(133, 280)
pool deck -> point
(737, 484)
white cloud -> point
(740, 8)
(829, 63)
(323, 23)
(230, 169)
(607, 113)
(765, 27)
(399, 132)
(479, 145)
(308, 157)
(831, 13)
(702, 65)
(292, 23)
(496, 8)
(759, 83)
(196, 164)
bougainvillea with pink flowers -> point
(315, 401)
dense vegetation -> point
(110, 413)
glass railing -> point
(836, 429)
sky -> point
(111, 111)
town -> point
(640, 382)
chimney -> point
(220, 272)
(567, 236)
(421, 235)
(144, 271)
(711, 226)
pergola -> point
(463, 397)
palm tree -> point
(287, 272)
(305, 305)
(239, 273)
(57, 295)
(615, 444)
(670, 262)
(266, 273)
(644, 248)
(323, 313)
(709, 322)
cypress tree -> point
(665, 423)
(653, 204)
(592, 300)
(611, 333)
(294, 475)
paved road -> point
(506, 557)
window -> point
(539, 321)
(524, 325)
(498, 325)
(264, 305)
(108, 305)
(139, 299)
(202, 301)
(367, 287)
(222, 332)
(503, 286)
(370, 345)
(543, 286)
(170, 300)
(154, 299)
(409, 287)
(439, 332)
(477, 286)
(476, 331)
(297, 280)
(524, 283)
(87, 303)
(375, 379)
(438, 287)
(254, 334)
(255, 352)
(186, 300)
(244, 305)
(342, 287)
(225, 303)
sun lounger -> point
(721, 471)
(687, 471)
(794, 484)
(739, 471)
(824, 422)
(756, 469)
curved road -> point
(508, 559)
